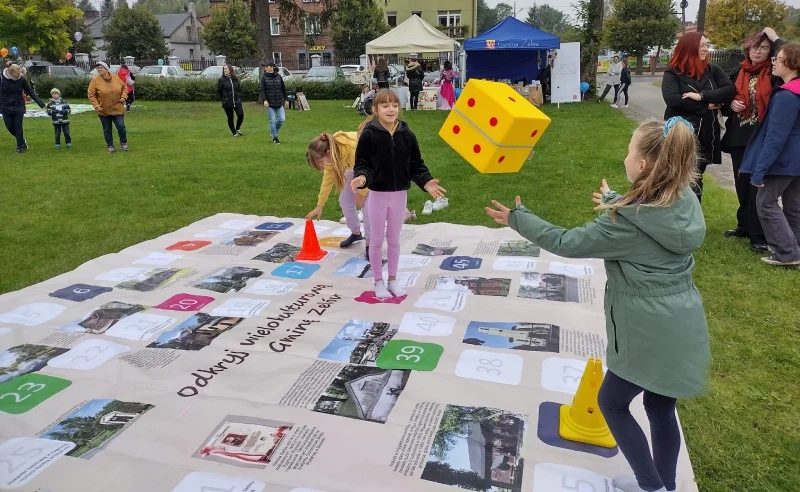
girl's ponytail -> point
(670, 152)
(319, 146)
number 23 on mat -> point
(25, 392)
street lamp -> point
(684, 5)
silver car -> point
(324, 74)
(163, 72)
(215, 72)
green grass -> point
(59, 209)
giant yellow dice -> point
(493, 127)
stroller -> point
(364, 103)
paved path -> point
(646, 103)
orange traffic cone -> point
(310, 250)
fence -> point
(727, 60)
(244, 64)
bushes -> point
(153, 89)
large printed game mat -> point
(208, 360)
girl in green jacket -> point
(655, 323)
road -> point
(646, 103)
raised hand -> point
(604, 188)
(434, 189)
(501, 214)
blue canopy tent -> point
(510, 50)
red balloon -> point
(69, 56)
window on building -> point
(191, 53)
(189, 33)
(391, 19)
(276, 56)
(312, 26)
(274, 26)
(327, 59)
(418, 13)
(449, 18)
(302, 61)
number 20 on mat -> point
(490, 366)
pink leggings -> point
(387, 209)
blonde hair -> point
(14, 70)
(383, 96)
(318, 148)
(670, 155)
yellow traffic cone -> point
(582, 421)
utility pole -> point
(701, 16)
(684, 4)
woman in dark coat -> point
(12, 102)
(695, 89)
(754, 83)
(381, 74)
(415, 75)
(228, 91)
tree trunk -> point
(592, 47)
(701, 16)
(639, 64)
(259, 13)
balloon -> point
(3, 52)
(584, 86)
(78, 37)
(69, 56)
(160, 61)
(458, 92)
(14, 50)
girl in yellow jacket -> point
(334, 156)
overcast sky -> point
(565, 6)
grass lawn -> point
(62, 208)
(657, 83)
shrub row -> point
(153, 89)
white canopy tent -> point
(413, 35)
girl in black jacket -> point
(228, 91)
(12, 104)
(387, 161)
(695, 89)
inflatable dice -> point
(493, 127)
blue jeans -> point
(119, 122)
(276, 118)
(651, 471)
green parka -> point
(656, 326)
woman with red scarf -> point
(754, 83)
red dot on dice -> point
(533, 133)
(471, 102)
(512, 99)
(493, 121)
(456, 129)
(476, 149)
(501, 159)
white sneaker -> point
(343, 221)
(615, 106)
(440, 203)
(428, 208)
(381, 292)
(628, 483)
(626, 105)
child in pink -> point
(387, 160)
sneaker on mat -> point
(350, 240)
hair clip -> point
(677, 119)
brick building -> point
(292, 47)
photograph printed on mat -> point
(154, 278)
(518, 247)
(23, 359)
(248, 442)
(427, 250)
(228, 279)
(104, 317)
(548, 287)
(249, 238)
(477, 448)
(196, 332)
(93, 425)
(364, 393)
(475, 285)
(280, 253)
(537, 337)
(359, 342)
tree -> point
(701, 16)
(135, 32)
(639, 25)
(487, 17)
(107, 9)
(36, 25)
(354, 25)
(729, 22)
(230, 31)
(464, 479)
(85, 45)
(85, 6)
(158, 7)
(791, 25)
(590, 22)
(547, 19)
(503, 10)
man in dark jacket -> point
(12, 104)
(273, 92)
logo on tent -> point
(490, 44)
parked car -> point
(431, 77)
(284, 72)
(215, 72)
(349, 70)
(324, 74)
(163, 71)
(65, 71)
(115, 69)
